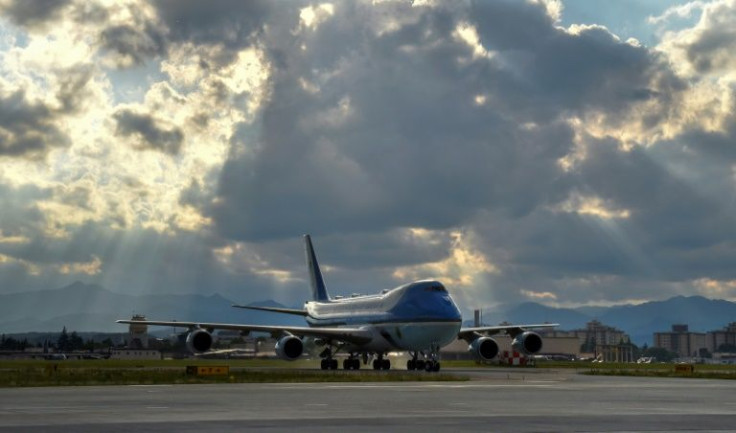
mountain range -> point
(639, 321)
(85, 307)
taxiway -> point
(493, 401)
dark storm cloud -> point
(679, 229)
(33, 12)
(153, 135)
(553, 70)
(133, 46)
(394, 138)
(28, 129)
(380, 118)
(228, 22)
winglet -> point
(319, 292)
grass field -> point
(116, 372)
(700, 371)
(152, 372)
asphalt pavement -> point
(501, 400)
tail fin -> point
(319, 292)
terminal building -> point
(599, 341)
(681, 341)
(717, 341)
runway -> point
(497, 401)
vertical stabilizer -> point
(319, 292)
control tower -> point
(138, 333)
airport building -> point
(622, 352)
(597, 340)
(136, 345)
(716, 340)
(681, 341)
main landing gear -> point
(328, 362)
(381, 364)
(432, 364)
(351, 364)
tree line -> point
(65, 342)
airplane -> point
(419, 317)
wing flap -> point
(273, 309)
(348, 335)
(511, 330)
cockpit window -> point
(436, 288)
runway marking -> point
(528, 384)
(158, 407)
(150, 386)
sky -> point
(563, 152)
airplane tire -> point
(410, 365)
(376, 364)
(429, 366)
(386, 364)
(323, 364)
(436, 367)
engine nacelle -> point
(289, 347)
(199, 341)
(527, 343)
(484, 348)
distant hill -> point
(639, 321)
(84, 307)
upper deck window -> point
(436, 288)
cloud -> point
(229, 22)
(33, 13)
(28, 128)
(381, 138)
(148, 132)
(708, 46)
(190, 145)
(131, 46)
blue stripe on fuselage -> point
(421, 301)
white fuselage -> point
(415, 317)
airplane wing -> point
(348, 335)
(512, 330)
(273, 309)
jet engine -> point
(289, 347)
(199, 341)
(484, 348)
(527, 343)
